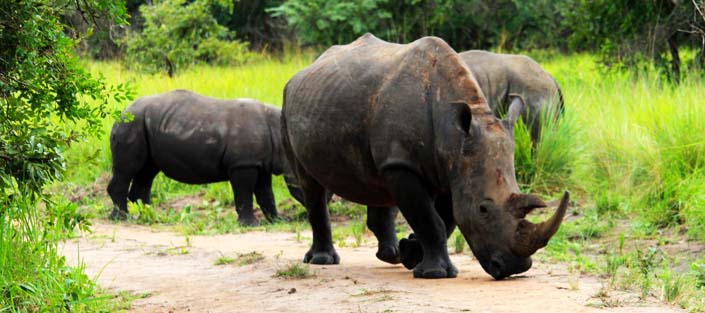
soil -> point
(178, 274)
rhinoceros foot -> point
(388, 253)
(248, 221)
(118, 215)
(435, 270)
(410, 252)
(327, 256)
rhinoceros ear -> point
(516, 109)
(462, 116)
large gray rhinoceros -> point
(197, 140)
(504, 78)
(387, 125)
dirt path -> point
(137, 259)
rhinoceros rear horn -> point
(523, 204)
(531, 237)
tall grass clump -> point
(547, 165)
(644, 143)
(33, 274)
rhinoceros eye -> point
(485, 207)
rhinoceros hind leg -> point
(416, 204)
(243, 182)
(265, 196)
(141, 188)
(316, 202)
(380, 220)
(117, 189)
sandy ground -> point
(140, 260)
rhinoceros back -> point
(367, 106)
(196, 139)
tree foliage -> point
(47, 101)
(178, 34)
(43, 87)
(626, 33)
(464, 24)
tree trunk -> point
(675, 59)
(169, 66)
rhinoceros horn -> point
(531, 237)
(523, 204)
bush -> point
(506, 24)
(177, 35)
(45, 107)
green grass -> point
(33, 275)
(294, 270)
(249, 258)
(223, 260)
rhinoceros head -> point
(487, 205)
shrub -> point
(44, 93)
(177, 35)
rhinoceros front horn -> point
(531, 237)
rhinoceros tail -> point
(560, 98)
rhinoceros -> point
(195, 139)
(387, 125)
(505, 78)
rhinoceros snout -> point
(499, 268)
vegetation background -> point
(631, 144)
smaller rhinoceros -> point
(197, 140)
(504, 78)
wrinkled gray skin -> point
(198, 140)
(390, 125)
(504, 78)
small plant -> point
(615, 261)
(67, 218)
(574, 277)
(297, 237)
(142, 213)
(646, 262)
(672, 285)
(223, 260)
(458, 242)
(249, 258)
(357, 231)
(294, 270)
(698, 270)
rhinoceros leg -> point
(380, 220)
(316, 202)
(117, 189)
(141, 188)
(243, 182)
(410, 249)
(265, 196)
(416, 204)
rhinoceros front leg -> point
(265, 196)
(380, 220)
(410, 250)
(416, 204)
(243, 182)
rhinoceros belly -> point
(337, 155)
(191, 154)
